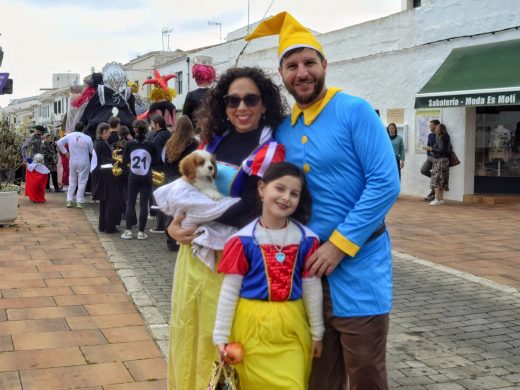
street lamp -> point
(210, 23)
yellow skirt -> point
(195, 294)
(277, 345)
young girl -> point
(140, 155)
(268, 302)
(104, 182)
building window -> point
(416, 3)
(55, 107)
(497, 149)
(178, 82)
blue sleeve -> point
(373, 151)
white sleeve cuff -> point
(312, 294)
(227, 303)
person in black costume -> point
(104, 186)
(141, 156)
(162, 135)
(114, 122)
(122, 180)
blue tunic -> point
(350, 167)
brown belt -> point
(380, 230)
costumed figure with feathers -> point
(161, 97)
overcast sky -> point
(42, 37)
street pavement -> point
(456, 317)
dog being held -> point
(199, 168)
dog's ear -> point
(214, 163)
(188, 168)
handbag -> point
(223, 377)
(453, 160)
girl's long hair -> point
(181, 138)
(303, 212)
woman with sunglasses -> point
(237, 120)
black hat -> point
(40, 129)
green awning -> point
(480, 75)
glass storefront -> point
(497, 150)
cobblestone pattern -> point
(449, 330)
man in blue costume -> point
(342, 146)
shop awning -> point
(480, 75)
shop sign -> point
(483, 99)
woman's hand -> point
(317, 348)
(401, 164)
(221, 348)
(182, 236)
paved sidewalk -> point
(65, 318)
(479, 239)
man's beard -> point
(318, 87)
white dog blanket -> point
(182, 197)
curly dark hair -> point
(211, 116)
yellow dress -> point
(277, 345)
(195, 293)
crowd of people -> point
(303, 280)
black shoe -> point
(429, 198)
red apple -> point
(235, 353)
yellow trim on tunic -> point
(343, 243)
(311, 113)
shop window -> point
(497, 149)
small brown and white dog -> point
(199, 168)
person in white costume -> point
(80, 146)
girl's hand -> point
(317, 348)
(401, 163)
(221, 348)
(182, 236)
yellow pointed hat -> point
(292, 34)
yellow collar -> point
(311, 113)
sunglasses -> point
(250, 100)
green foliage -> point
(7, 187)
(10, 146)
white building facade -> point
(388, 61)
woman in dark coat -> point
(440, 171)
(104, 187)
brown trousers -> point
(354, 351)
